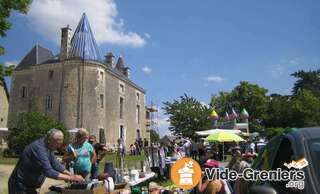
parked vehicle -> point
(294, 144)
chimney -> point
(108, 59)
(127, 72)
(65, 43)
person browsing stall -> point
(100, 151)
(214, 186)
(81, 153)
(37, 162)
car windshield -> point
(315, 155)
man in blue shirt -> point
(37, 162)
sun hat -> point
(211, 163)
(154, 186)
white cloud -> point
(146, 70)
(8, 63)
(47, 17)
(205, 104)
(294, 61)
(147, 35)
(163, 125)
(278, 71)
(163, 122)
(215, 79)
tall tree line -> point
(269, 113)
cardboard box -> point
(97, 190)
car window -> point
(285, 154)
(266, 157)
(315, 155)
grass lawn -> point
(4, 160)
(129, 160)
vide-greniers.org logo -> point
(295, 178)
(186, 174)
(253, 175)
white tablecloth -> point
(141, 180)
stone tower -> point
(65, 43)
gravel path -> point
(5, 171)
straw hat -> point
(154, 186)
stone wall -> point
(4, 105)
(63, 82)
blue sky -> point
(185, 46)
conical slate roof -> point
(83, 44)
(120, 64)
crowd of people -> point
(38, 161)
(139, 145)
(213, 156)
(83, 155)
(241, 158)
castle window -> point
(122, 132)
(138, 96)
(121, 88)
(24, 92)
(50, 74)
(102, 136)
(138, 114)
(138, 134)
(101, 100)
(101, 76)
(49, 102)
(121, 108)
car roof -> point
(308, 133)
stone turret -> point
(65, 43)
(120, 65)
(127, 72)
(108, 59)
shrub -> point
(29, 127)
(271, 132)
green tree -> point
(187, 115)
(252, 97)
(278, 112)
(271, 132)
(309, 80)
(5, 71)
(305, 107)
(6, 7)
(154, 136)
(29, 127)
(222, 102)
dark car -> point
(294, 144)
